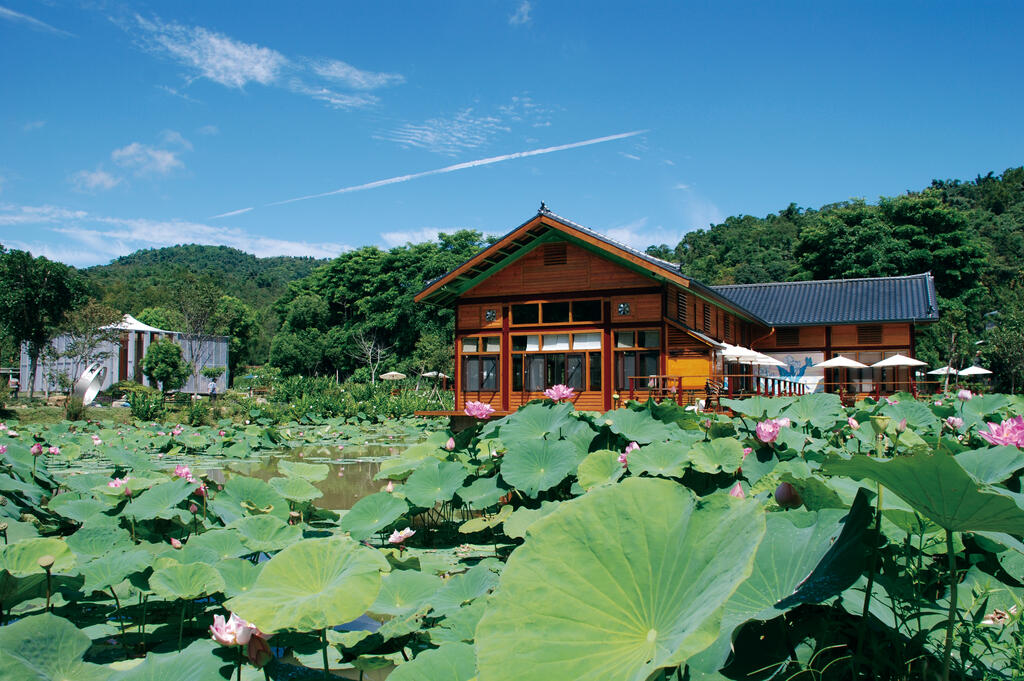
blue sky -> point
(142, 125)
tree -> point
(370, 352)
(35, 296)
(241, 323)
(91, 335)
(163, 318)
(165, 366)
(1004, 347)
(197, 303)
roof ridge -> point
(566, 221)
(823, 281)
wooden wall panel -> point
(642, 308)
(844, 336)
(896, 334)
(591, 400)
(582, 271)
(473, 317)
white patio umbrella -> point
(840, 362)
(768, 360)
(899, 361)
(434, 374)
(392, 376)
(974, 371)
(734, 353)
(943, 371)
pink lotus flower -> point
(955, 422)
(852, 422)
(176, 432)
(54, 450)
(3, 427)
(233, 632)
(450, 445)
(200, 491)
(118, 482)
(1010, 432)
(964, 395)
(36, 449)
(901, 427)
(183, 471)
(341, 447)
(559, 392)
(737, 492)
(399, 536)
(3, 449)
(193, 509)
(12, 433)
(390, 487)
(747, 451)
(784, 422)
(624, 457)
(160, 432)
(767, 431)
(479, 410)
(938, 403)
(221, 433)
(175, 543)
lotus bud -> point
(737, 492)
(853, 423)
(964, 395)
(450, 445)
(901, 427)
(175, 543)
(193, 509)
(786, 496)
(390, 487)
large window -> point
(480, 368)
(540, 361)
(557, 312)
(636, 354)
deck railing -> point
(730, 385)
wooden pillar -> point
(608, 380)
(505, 364)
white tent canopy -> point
(974, 371)
(899, 361)
(840, 362)
(130, 323)
(943, 371)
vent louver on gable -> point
(869, 335)
(787, 336)
(555, 254)
(682, 307)
(707, 318)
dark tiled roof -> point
(839, 301)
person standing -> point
(213, 390)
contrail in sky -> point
(460, 166)
(230, 213)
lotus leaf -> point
(213, 546)
(79, 510)
(295, 489)
(14, 590)
(311, 585)
(403, 591)
(459, 625)
(186, 581)
(193, 441)
(758, 407)
(434, 481)
(239, 575)
(990, 465)
(482, 492)
(451, 662)
(373, 513)
(599, 468)
(638, 426)
(821, 410)
(572, 603)
(940, 489)
(22, 559)
(463, 589)
(46, 648)
(159, 501)
(485, 522)
(537, 465)
(666, 459)
(249, 496)
(310, 472)
(534, 421)
(96, 541)
(521, 520)
(196, 663)
(113, 568)
(919, 417)
(720, 454)
(266, 533)
(403, 625)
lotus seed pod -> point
(46, 562)
(3, 501)
(3, 527)
(786, 496)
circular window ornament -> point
(624, 309)
(490, 315)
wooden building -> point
(553, 302)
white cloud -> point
(354, 78)
(18, 17)
(33, 125)
(173, 137)
(335, 100)
(146, 160)
(631, 157)
(465, 130)
(521, 15)
(638, 235)
(230, 213)
(213, 55)
(90, 181)
(209, 130)
(400, 238)
(683, 186)
(100, 238)
(177, 93)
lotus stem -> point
(120, 620)
(181, 624)
(951, 616)
(323, 649)
(142, 624)
(46, 562)
(241, 658)
(871, 573)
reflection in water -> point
(359, 466)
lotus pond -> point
(794, 539)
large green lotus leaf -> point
(715, 456)
(434, 481)
(536, 465)
(14, 590)
(599, 468)
(580, 434)
(295, 489)
(186, 581)
(940, 489)
(197, 662)
(460, 590)
(990, 465)
(22, 559)
(311, 585)
(403, 591)
(919, 417)
(451, 662)
(618, 583)
(523, 518)
(758, 407)
(482, 492)
(46, 648)
(310, 472)
(113, 568)
(266, 533)
(239, 575)
(213, 546)
(485, 522)
(79, 510)
(665, 459)
(535, 421)
(88, 542)
(251, 496)
(459, 625)
(821, 410)
(159, 501)
(637, 426)
(373, 513)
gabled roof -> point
(839, 301)
(130, 323)
(545, 227)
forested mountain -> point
(970, 235)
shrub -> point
(163, 365)
(198, 413)
(146, 406)
(74, 410)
